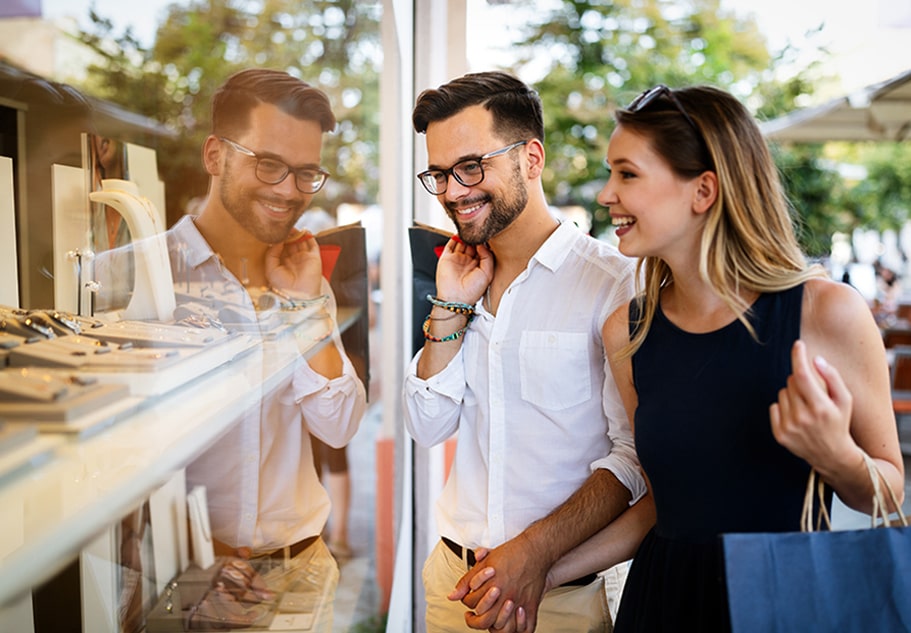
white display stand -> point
(200, 528)
(9, 266)
(153, 291)
(71, 233)
(99, 582)
(170, 545)
(142, 169)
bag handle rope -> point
(879, 500)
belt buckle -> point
(458, 550)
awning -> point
(26, 88)
(881, 112)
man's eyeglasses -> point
(272, 171)
(468, 172)
(642, 101)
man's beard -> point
(502, 212)
(239, 204)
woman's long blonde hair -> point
(749, 242)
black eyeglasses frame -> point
(425, 175)
(297, 171)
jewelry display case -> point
(98, 425)
(68, 489)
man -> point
(263, 157)
(513, 361)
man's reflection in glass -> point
(240, 261)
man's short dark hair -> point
(516, 108)
(244, 90)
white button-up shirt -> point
(530, 395)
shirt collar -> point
(556, 247)
(196, 249)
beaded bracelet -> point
(449, 337)
(452, 306)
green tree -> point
(602, 53)
(882, 200)
(818, 197)
(334, 44)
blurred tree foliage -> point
(818, 196)
(602, 53)
(882, 199)
(333, 44)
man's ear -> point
(706, 191)
(211, 155)
(534, 151)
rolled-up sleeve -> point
(433, 406)
(332, 409)
(622, 459)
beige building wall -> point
(46, 48)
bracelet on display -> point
(452, 306)
(304, 335)
(290, 303)
(321, 314)
(449, 337)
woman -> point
(741, 366)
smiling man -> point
(513, 362)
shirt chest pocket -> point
(554, 369)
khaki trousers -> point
(564, 609)
(308, 582)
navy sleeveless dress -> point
(704, 439)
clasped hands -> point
(503, 589)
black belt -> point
(294, 549)
(470, 558)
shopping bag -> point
(343, 252)
(819, 581)
(427, 243)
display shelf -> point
(52, 511)
(30, 454)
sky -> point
(868, 39)
(868, 45)
(142, 15)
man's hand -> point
(510, 582)
(464, 271)
(295, 265)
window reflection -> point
(93, 136)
